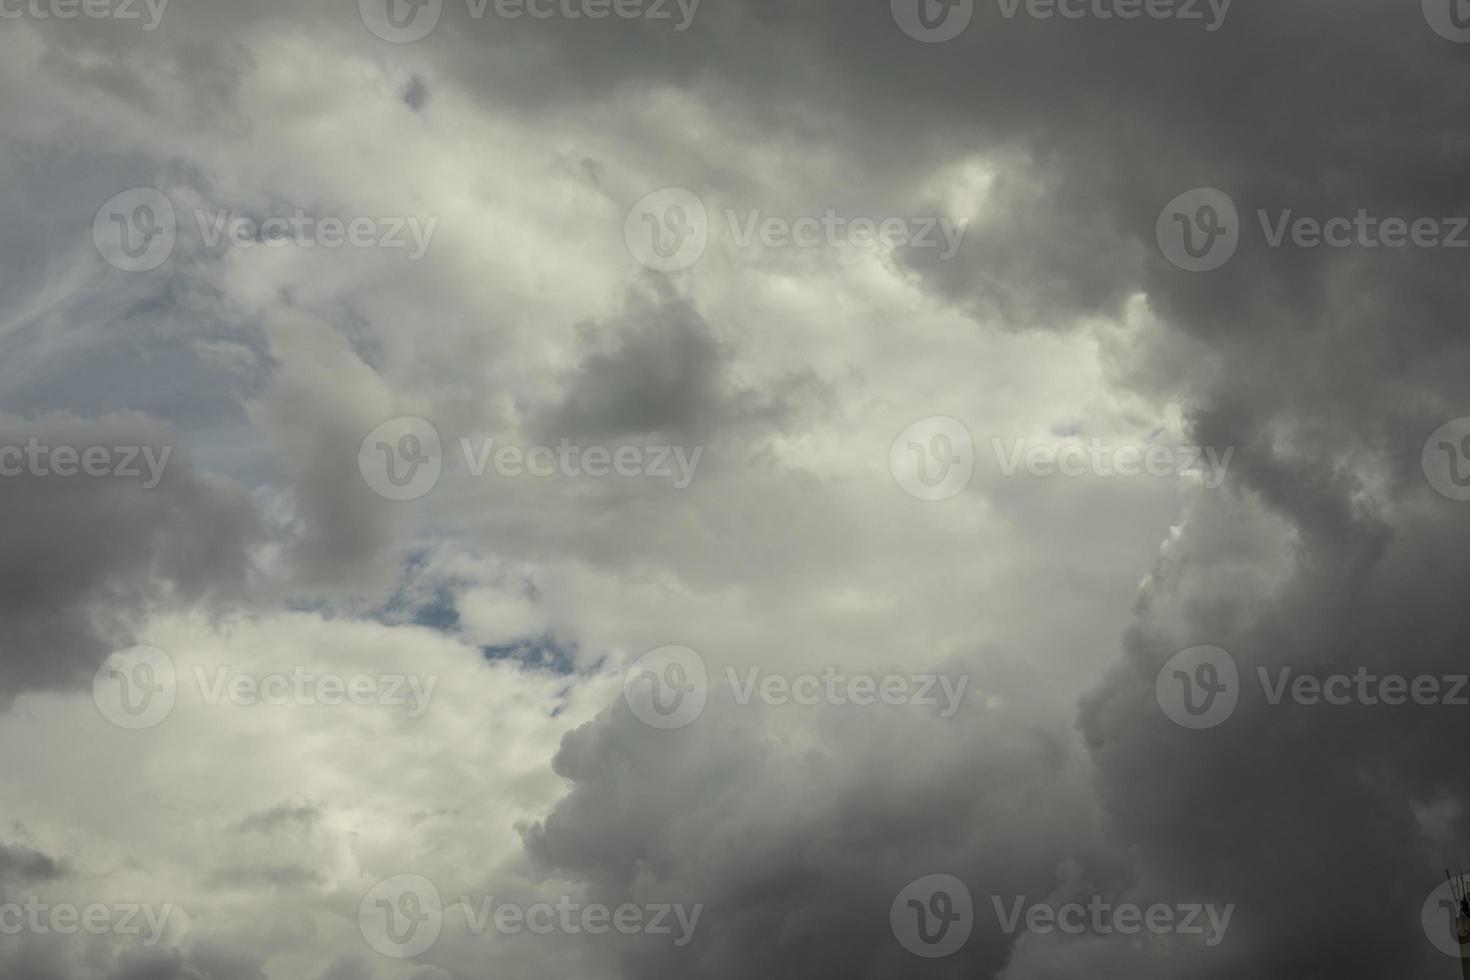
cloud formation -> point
(257, 549)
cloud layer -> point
(264, 810)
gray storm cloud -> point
(1323, 551)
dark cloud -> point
(55, 957)
(86, 557)
(416, 94)
(658, 368)
(203, 961)
(797, 853)
(285, 877)
(1333, 367)
(1325, 369)
(288, 817)
(21, 864)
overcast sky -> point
(640, 489)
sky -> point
(612, 489)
